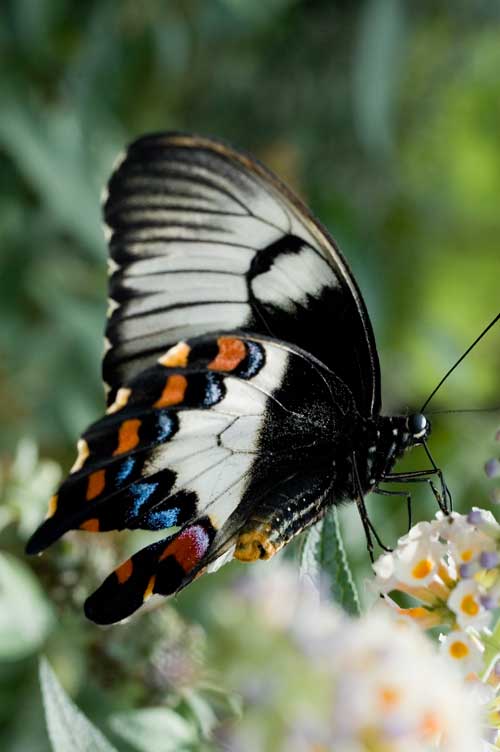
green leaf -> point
(492, 648)
(68, 728)
(154, 730)
(202, 710)
(323, 558)
(25, 615)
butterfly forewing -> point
(204, 238)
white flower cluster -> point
(449, 570)
(384, 685)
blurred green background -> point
(385, 116)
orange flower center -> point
(469, 605)
(459, 650)
(422, 569)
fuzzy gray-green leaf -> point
(323, 560)
(68, 728)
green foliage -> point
(158, 729)
(25, 615)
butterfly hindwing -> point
(204, 238)
(267, 517)
(163, 568)
(210, 434)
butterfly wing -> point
(219, 428)
(204, 238)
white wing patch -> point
(293, 278)
(213, 451)
(174, 325)
(155, 258)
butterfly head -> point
(418, 427)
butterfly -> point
(241, 371)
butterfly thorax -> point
(367, 454)
(380, 442)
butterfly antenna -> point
(450, 371)
(465, 410)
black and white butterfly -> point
(242, 374)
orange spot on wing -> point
(124, 571)
(128, 436)
(149, 590)
(174, 391)
(96, 484)
(91, 526)
(188, 547)
(231, 352)
(176, 357)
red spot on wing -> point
(189, 547)
(231, 352)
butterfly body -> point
(241, 369)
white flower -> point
(385, 579)
(465, 602)
(466, 543)
(460, 648)
(417, 562)
(394, 692)
(484, 520)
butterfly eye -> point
(418, 425)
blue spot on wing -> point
(157, 520)
(140, 493)
(255, 360)
(124, 470)
(213, 390)
(165, 426)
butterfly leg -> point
(368, 526)
(445, 491)
(422, 476)
(405, 494)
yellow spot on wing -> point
(124, 571)
(176, 357)
(52, 506)
(91, 526)
(121, 399)
(174, 391)
(128, 436)
(149, 590)
(83, 453)
(96, 484)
